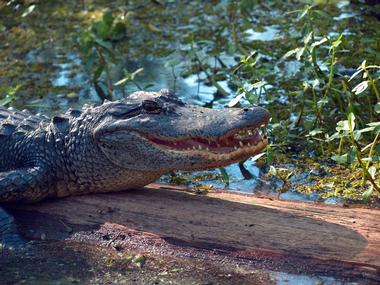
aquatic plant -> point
(8, 95)
(96, 46)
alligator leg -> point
(18, 186)
(9, 235)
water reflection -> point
(270, 33)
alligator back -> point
(14, 127)
(12, 121)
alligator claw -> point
(10, 238)
(13, 242)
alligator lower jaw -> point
(237, 144)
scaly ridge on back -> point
(13, 121)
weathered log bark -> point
(169, 220)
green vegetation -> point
(8, 95)
(313, 64)
(96, 47)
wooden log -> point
(288, 236)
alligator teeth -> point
(194, 147)
(207, 149)
(241, 143)
(199, 147)
(249, 144)
(235, 147)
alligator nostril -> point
(246, 109)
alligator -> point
(116, 146)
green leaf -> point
(361, 87)
(291, 52)
(366, 130)
(136, 72)
(236, 100)
(119, 31)
(317, 43)
(90, 59)
(351, 122)
(300, 53)
(153, 28)
(372, 171)
(10, 95)
(225, 176)
(342, 126)
(355, 74)
(367, 195)
(377, 108)
(257, 156)
(340, 158)
(322, 102)
(252, 97)
(351, 156)
(5, 101)
(323, 14)
(374, 124)
(338, 41)
(28, 10)
(308, 38)
(97, 73)
(13, 90)
(272, 171)
(258, 84)
(377, 130)
(363, 65)
(108, 18)
(129, 76)
(100, 30)
(316, 83)
(2, 28)
(123, 81)
(304, 12)
(315, 132)
(105, 44)
(334, 136)
(357, 135)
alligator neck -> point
(89, 170)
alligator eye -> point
(125, 110)
(151, 106)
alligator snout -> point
(257, 114)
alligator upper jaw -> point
(236, 143)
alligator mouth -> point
(239, 142)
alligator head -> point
(156, 131)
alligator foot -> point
(9, 236)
